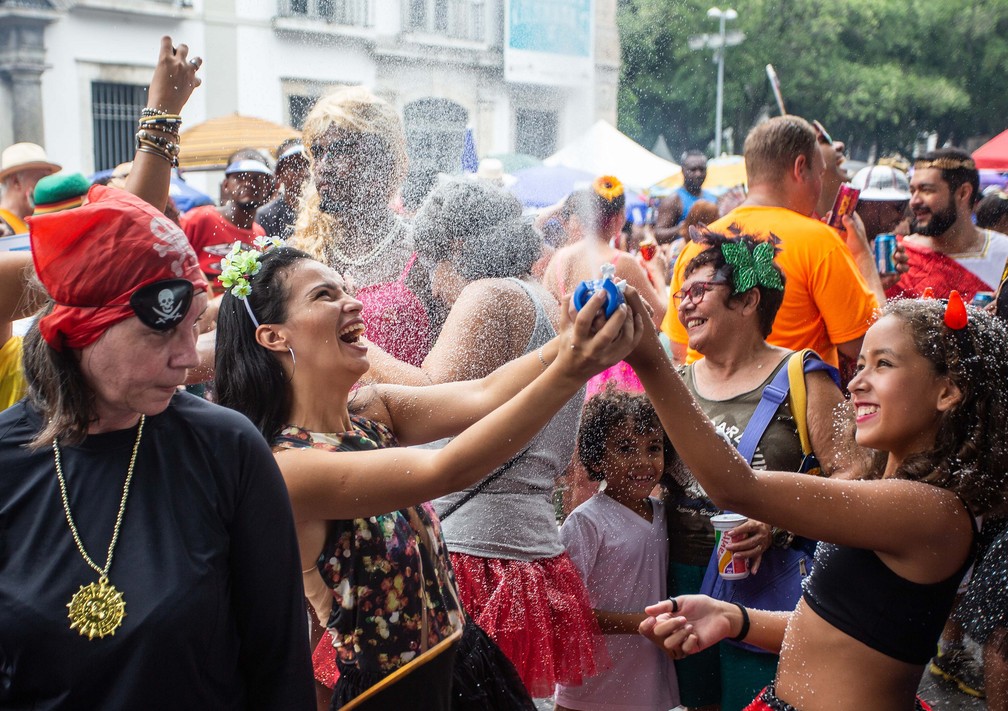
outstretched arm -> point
(911, 521)
(355, 484)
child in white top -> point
(618, 541)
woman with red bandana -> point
(145, 535)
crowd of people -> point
(315, 447)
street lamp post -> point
(723, 16)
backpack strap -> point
(805, 361)
(773, 395)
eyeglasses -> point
(822, 134)
(696, 291)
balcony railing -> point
(455, 19)
(355, 13)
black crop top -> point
(853, 590)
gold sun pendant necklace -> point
(97, 610)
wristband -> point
(745, 624)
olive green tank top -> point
(691, 536)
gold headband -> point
(946, 163)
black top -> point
(853, 590)
(207, 563)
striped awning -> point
(208, 145)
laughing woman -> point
(376, 569)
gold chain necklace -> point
(97, 610)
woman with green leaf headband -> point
(730, 296)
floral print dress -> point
(394, 593)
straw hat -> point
(24, 156)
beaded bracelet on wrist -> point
(161, 154)
(151, 111)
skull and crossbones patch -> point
(163, 304)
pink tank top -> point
(395, 318)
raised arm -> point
(355, 484)
(173, 82)
(876, 515)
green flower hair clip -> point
(241, 263)
(752, 268)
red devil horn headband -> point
(955, 312)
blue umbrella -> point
(545, 185)
(185, 196)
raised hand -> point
(594, 342)
(174, 77)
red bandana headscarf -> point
(91, 259)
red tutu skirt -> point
(538, 613)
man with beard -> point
(357, 157)
(945, 250)
(694, 172)
(212, 230)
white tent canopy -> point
(603, 150)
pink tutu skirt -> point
(538, 613)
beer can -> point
(846, 201)
(982, 298)
(885, 249)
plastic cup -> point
(729, 567)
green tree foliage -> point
(873, 71)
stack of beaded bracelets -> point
(159, 134)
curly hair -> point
(970, 454)
(611, 410)
(247, 377)
(770, 298)
(479, 228)
(354, 109)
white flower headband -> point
(242, 263)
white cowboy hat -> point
(24, 156)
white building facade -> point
(73, 72)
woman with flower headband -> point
(147, 534)
(376, 568)
(730, 296)
(514, 577)
(895, 544)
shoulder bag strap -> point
(773, 395)
(471, 493)
(802, 362)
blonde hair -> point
(354, 109)
(773, 146)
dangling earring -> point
(294, 361)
